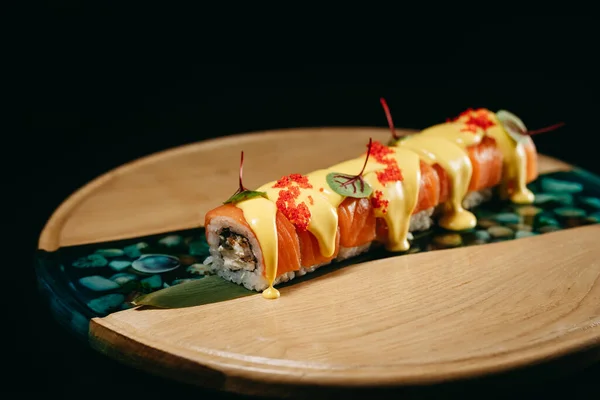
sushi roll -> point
(289, 227)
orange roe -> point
(288, 180)
(475, 119)
(380, 152)
(321, 190)
(310, 200)
(298, 214)
(378, 202)
(392, 172)
(469, 128)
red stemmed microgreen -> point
(546, 129)
(351, 185)
(516, 128)
(388, 115)
(243, 193)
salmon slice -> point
(429, 188)
(428, 197)
(356, 220)
(444, 180)
(288, 246)
(310, 253)
(226, 210)
(486, 159)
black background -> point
(102, 87)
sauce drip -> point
(271, 293)
(455, 161)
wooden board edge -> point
(192, 373)
(180, 369)
(118, 347)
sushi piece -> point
(289, 227)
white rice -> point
(252, 280)
(473, 199)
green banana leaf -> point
(211, 289)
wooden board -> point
(412, 319)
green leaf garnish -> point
(516, 128)
(513, 125)
(243, 193)
(351, 185)
(210, 289)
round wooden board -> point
(412, 319)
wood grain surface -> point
(414, 319)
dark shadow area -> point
(101, 86)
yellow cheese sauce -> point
(453, 131)
(260, 214)
(514, 169)
(402, 197)
(455, 161)
(444, 144)
(324, 218)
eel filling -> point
(236, 251)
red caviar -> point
(378, 202)
(298, 214)
(380, 151)
(392, 172)
(475, 119)
(288, 180)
